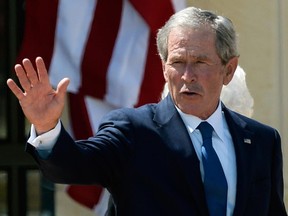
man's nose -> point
(189, 74)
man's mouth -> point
(189, 93)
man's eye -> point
(200, 62)
(178, 62)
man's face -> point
(194, 71)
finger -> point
(15, 89)
(42, 71)
(62, 87)
(22, 77)
(30, 71)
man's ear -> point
(164, 71)
(230, 68)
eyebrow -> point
(201, 57)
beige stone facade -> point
(263, 35)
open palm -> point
(41, 104)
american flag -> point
(108, 50)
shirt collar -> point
(216, 120)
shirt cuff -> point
(45, 141)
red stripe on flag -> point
(40, 26)
(99, 47)
(80, 121)
(155, 13)
(87, 195)
(153, 81)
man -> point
(150, 158)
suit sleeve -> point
(98, 160)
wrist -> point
(41, 129)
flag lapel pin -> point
(248, 141)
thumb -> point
(62, 87)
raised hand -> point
(41, 104)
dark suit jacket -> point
(145, 158)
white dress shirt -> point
(223, 145)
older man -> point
(186, 155)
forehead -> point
(192, 40)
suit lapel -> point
(244, 149)
(180, 142)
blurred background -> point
(116, 39)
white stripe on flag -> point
(72, 30)
(127, 66)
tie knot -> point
(206, 130)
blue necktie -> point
(215, 183)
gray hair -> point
(191, 17)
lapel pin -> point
(248, 141)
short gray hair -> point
(191, 17)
